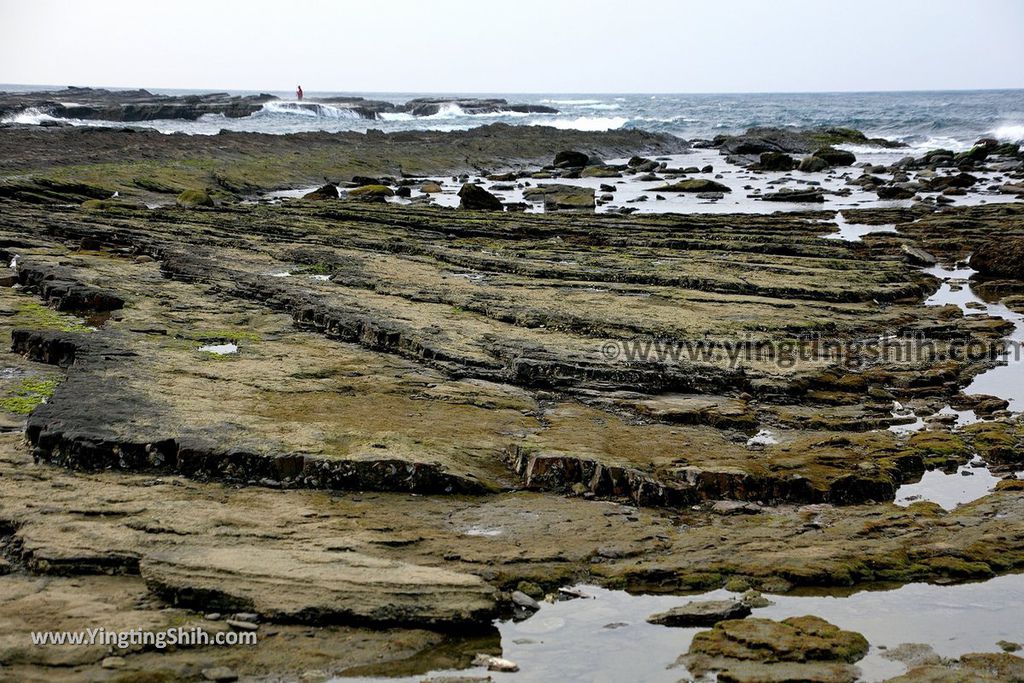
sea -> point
(921, 119)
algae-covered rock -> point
(107, 205)
(194, 198)
(557, 197)
(475, 198)
(1003, 257)
(804, 648)
(328, 191)
(694, 185)
(371, 193)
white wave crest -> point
(29, 117)
(590, 123)
(1013, 132)
(308, 109)
(571, 101)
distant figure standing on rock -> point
(298, 93)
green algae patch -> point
(23, 398)
(194, 198)
(36, 316)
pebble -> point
(523, 600)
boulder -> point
(894, 192)
(475, 198)
(318, 587)
(801, 196)
(835, 157)
(193, 198)
(570, 159)
(694, 185)
(813, 164)
(601, 172)
(557, 197)
(371, 193)
(701, 613)
(431, 187)
(795, 649)
(1000, 258)
(775, 161)
(328, 191)
(918, 256)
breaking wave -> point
(1009, 133)
(30, 117)
(589, 123)
(307, 109)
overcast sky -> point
(517, 45)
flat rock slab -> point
(795, 649)
(318, 587)
(701, 613)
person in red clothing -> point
(298, 93)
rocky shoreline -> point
(97, 104)
(408, 412)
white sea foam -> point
(309, 109)
(571, 101)
(30, 117)
(1013, 132)
(590, 123)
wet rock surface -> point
(340, 418)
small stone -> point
(1008, 646)
(246, 616)
(112, 663)
(495, 663)
(531, 589)
(701, 613)
(213, 616)
(525, 601)
(754, 599)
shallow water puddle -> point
(969, 482)
(855, 232)
(220, 349)
(605, 636)
(1007, 380)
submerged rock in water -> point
(475, 198)
(794, 196)
(701, 613)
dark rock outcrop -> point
(475, 198)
